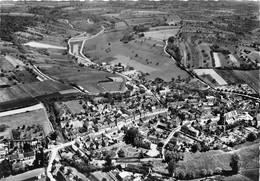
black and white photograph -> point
(129, 90)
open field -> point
(84, 77)
(161, 34)
(143, 54)
(27, 118)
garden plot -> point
(213, 74)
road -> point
(168, 139)
(53, 155)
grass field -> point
(142, 53)
(27, 118)
(84, 77)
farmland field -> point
(27, 118)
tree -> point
(171, 155)
(130, 135)
(234, 163)
(218, 170)
(69, 171)
(108, 161)
(181, 174)
(121, 153)
(171, 167)
(196, 147)
(210, 172)
(203, 172)
(251, 136)
(191, 175)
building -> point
(190, 131)
(100, 176)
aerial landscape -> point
(119, 90)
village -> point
(114, 92)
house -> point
(190, 131)
(154, 139)
(124, 176)
(137, 168)
(18, 167)
(100, 176)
